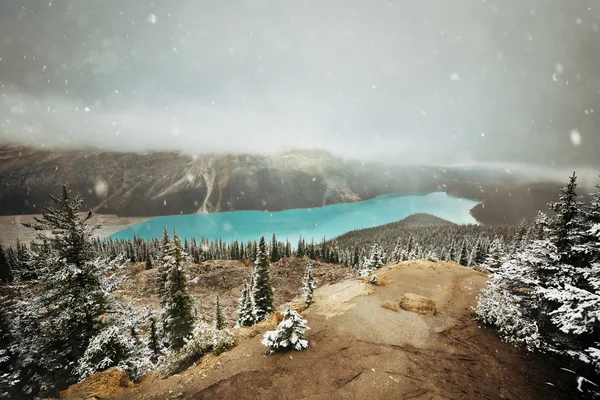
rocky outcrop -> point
(417, 304)
(101, 385)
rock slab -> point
(418, 304)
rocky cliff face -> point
(163, 183)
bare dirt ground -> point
(359, 350)
(11, 227)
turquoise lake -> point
(329, 221)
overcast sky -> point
(428, 81)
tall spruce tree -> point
(167, 250)
(71, 295)
(177, 310)
(262, 291)
(274, 250)
(566, 223)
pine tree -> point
(452, 253)
(246, 315)
(493, 260)
(478, 254)
(566, 222)
(376, 257)
(397, 253)
(154, 341)
(148, 260)
(547, 295)
(6, 275)
(57, 324)
(9, 373)
(274, 250)
(219, 320)
(300, 252)
(262, 292)
(464, 255)
(410, 250)
(167, 258)
(288, 335)
(308, 285)
(178, 318)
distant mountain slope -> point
(171, 183)
(167, 183)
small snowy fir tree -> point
(288, 335)
(374, 262)
(245, 308)
(117, 345)
(432, 256)
(308, 285)
(262, 292)
(177, 310)
(493, 260)
(219, 320)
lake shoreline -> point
(317, 222)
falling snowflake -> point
(575, 137)
(454, 76)
(100, 187)
(152, 18)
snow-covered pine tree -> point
(452, 252)
(177, 310)
(154, 343)
(410, 253)
(397, 253)
(262, 292)
(566, 223)
(9, 371)
(288, 335)
(63, 309)
(432, 256)
(478, 254)
(167, 250)
(246, 315)
(308, 285)
(493, 260)
(219, 320)
(464, 255)
(377, 257)
(547, 295)
(118, 345)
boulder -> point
(389, 305)
(418, 304)
(101, 385)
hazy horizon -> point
(402, 82)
